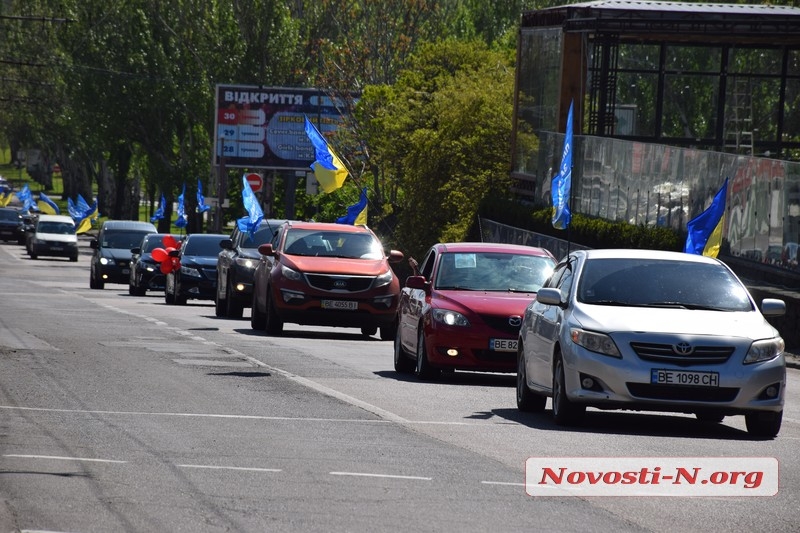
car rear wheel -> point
(565, 412)
(273, 323)
(34, 256)
(74, 258)
(402, 363)
(424, 370)
(258, 320)
(369, 331)
(526, 400)
(95, 283)
(389, 333)
(764, 424)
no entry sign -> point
(256, 182)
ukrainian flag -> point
(704, 232)
(356, 213)
(328, 168)
(46, 205)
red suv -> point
(326, 274)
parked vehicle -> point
(653, 331)
(196, 279)
(464, 309)
(54, 235)
(111, 258)
(236, 264)
(328, 275)
(146, 272)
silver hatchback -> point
(652, 331)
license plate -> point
(126, 270)
(345, 305)
(56, 248)
(503, 345)
(660, 376)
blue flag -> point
(255, 215)
(704, 232)
(159, 214)
(24, 195)
(562, 182)
(182, 219)
(202, 206)
(356, 213)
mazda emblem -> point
(682, 348)
(514, 321)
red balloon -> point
(176, 264)
(159, 254)
(166, 267)
(170, 242)
(170, 249)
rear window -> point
(57, 228)
(203, 247)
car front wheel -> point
(764, 424)
(565, 412)
(402, 363)
(424, 370)
(274, 324)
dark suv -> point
(196, 279)
(12, 225)
(235, 266)
(328, 275)
(111, 258)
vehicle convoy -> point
(196, 277)
(146, 274)
(653, 331)
(463, 309)
(325, 274)
(236, 264)
(111, 256)
(54, 236)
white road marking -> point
(391, 476)
(59, 458)
(503, 483)
(242, 468)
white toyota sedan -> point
(652, 331)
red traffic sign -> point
(256, 181)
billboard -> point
(263, 127)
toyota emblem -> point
(682, 348)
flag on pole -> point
(46, 205)
(356, 213)
(328, 168)
(202, 206)
(704, 232)
(159, 214)
(182, 220)
(255, 215)
(562, 182)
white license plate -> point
(126, 270)
(503, 345)
(345, 305)
(56, 248)
(661, 376)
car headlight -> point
(246, 262)
(595, 342)
(106, 261)
(764, 350)
(450, 318)
(288, 273)
(384, 279)
(189, 271)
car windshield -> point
(122, 239)
(661, 283)
(6, 214)
(203, 246)
(154, 241)
(263, 235)
(493, 271)
(333, 244)
(58, 228)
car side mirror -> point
(136, 251)
(226, 244)
(549, 296)
(267, 249)
(417, 282)
(395, 256)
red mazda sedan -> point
(463, 309)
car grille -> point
(686, 394)
(328, 283)
(500, 323)
(664, 353)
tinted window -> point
(58, 228)
(122, 239)
(262, 236)
(206, 246)
(659, 282)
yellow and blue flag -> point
(5, 198)
(562, 182)
(356, 213)
(328, 168)
(46, 205)
(704, 232)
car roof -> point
(55, 218)
(328, 226)
(635, 253)
(197, 236)
(445, 247)
(135, 225)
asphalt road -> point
(121, 413)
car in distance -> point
(196, 279)
(236, 264)
(54, 236)
(464, 309)
(12, 225)
(325, 274)
(146, 272)
(111, 256)
(653, 331)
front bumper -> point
(470, 348)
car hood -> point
(199, 261)
(249, 253)
(336, 265)
(691, 322)
(486, 302)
